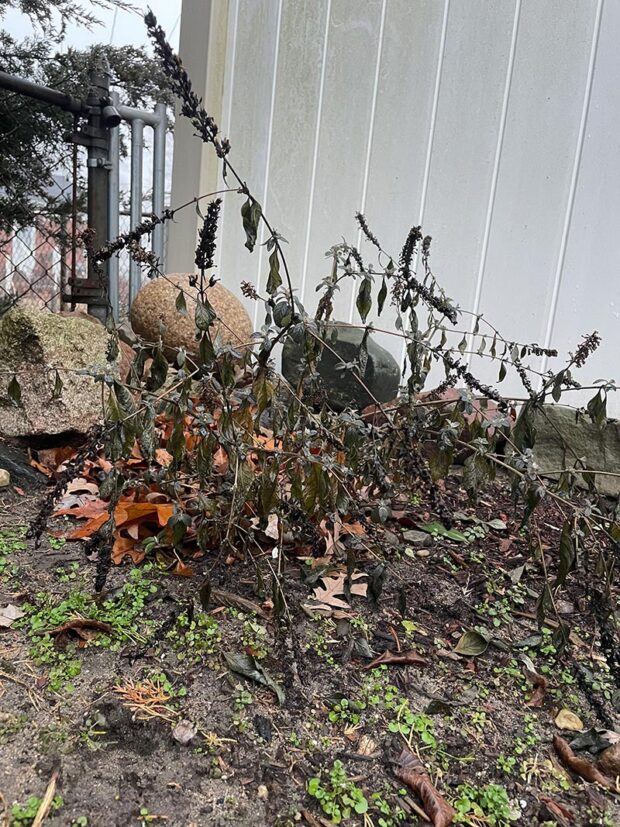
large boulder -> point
(381, 375)
(156, 304)
(34, 344)
(562, 437)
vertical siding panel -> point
(534, 179)
(345, 125)
(295, 117)
(371, 134)
(264, 198)
(469, 110)
(574, 179)
(498, 154)
(468, 120)
(250, 106)
(589, 296)
(402, 135)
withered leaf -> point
(411, 771)
(248, 667)
(584, 769)
(410, 658)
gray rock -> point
(33, 345)
(381, 374)
(417, 538)
(561, 439)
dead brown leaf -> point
(411, 771)
(410, 658)
(584, 769)
(333, 586)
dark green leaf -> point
(205, 350)
(205, 315)
(275, 279)
(251, 213)
(263, 391)
(502, 372)
(364, 298)
(381, 297)
(158, 372)
(597, 409)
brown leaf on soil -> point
(81, 626)
(237, 602)
(557, 811)
(89, 528)
(328, 594)
(125, 547)
(411, 771)
(409, 658)
(584, 769)
(539, 682)
(88, 510)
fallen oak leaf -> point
(86, 510)
(125, 547)
(471, 644)
(334, 586)
(410, 658)
(126, 512)
(356, 529)
(89, 528)
(584, 769)
(80, 485)
(411, 771)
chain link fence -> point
(41, 207)
(44, 192)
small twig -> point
(46, 803)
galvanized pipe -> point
(137, 132)
(42, 93)
(98, 159)
(159, 180)
(129, 113)
(114, 210)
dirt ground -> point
(105, 711)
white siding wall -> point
(494, 123)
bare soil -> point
(251, 758)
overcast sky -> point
(117, 27)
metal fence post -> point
(137, 133)
(98, 172)
(159, 180)
(114, 210)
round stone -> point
(156, 305)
